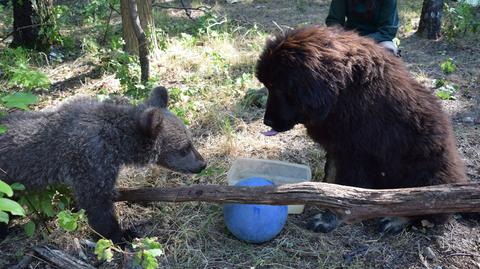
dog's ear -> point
(158, 97)
(150, 121)
(316, 99)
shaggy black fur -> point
(380, 127)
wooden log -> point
(60, 259)
(349, 203)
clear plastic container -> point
(277, 171)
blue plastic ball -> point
(255, 223)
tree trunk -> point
(349, 203)
(144, 9)
(131, 43)
(431, 19)
(32, 21)
(136, 41)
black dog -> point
(379, 127)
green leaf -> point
(444, 95)
(5, 188)
(149, 262)
(19, 100)
(155, 252)
(151, 243)
(4, 217)
(11, 206)
(67, 221)
(47, 207)
(3, 129)
(448, 66)
(103, 250)
(17, 187)
(30, 228)
(439, 83)
(138, 258)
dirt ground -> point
(194, 235)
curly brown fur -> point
(83, 143)
(380, 127)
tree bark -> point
(349, 203)
(29, 18)
(147, 23)
(430, 25)
(141, 38)
(131, 43)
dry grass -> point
(212, 73)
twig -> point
(78, 248)
(108, 25)
(278, 26)
(188, 10)
(114, 9)
(464, 254)
(24, 27)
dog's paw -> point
(324, 222)
(393, 225)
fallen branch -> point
(60, 259)
(188, 10)
(349, 203)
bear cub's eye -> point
(185, 150)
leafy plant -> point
(219, 63)
(70, 221)
(211, 171)
(460, 19)
(446, 92)
(19, 100)
(8, 205)
(439, 83)
(125, 67)
(448, 66)
(182, 103)
(17, 71)
(42, 205)
(255, 98)
(104, 250)
(97, 10)
(24, 77)
(146, 251)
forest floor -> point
(210, 75)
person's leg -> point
(390, 46)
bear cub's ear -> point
(150, 121)
(158, 97)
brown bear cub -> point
(83, 144)
(379, 127)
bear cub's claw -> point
(324, 222)
(392, 225)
